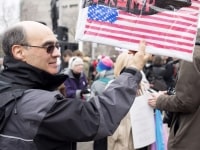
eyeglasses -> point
(49, 48)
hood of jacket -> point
(105, 74)
(19, 74)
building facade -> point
(40, 10)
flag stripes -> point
(167, 31)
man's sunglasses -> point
(49, 48)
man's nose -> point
(56, 52)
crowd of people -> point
(46, 105)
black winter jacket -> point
(45, 120)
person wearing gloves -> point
(183, 105)
(42, 118)
(76, 84)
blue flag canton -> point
(102, 13)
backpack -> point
(8, 102)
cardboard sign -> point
(168, 28)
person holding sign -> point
(183, 105)
(40, 117)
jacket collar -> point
(21, 74)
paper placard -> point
(124, 23)
(142, 121)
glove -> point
(85, 91)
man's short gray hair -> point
(13, 36)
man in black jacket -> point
(42, 119)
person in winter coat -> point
(42, 118)
(76, 84)
(184, 106)
(122, 138)
(155, 74)
(104, 76)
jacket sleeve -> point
(187, 95)
(70, 88)
(76, 120)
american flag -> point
(169, 33)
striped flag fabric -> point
(167, 32)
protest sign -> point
(168, 28)
(142, 122)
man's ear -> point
(18, 52)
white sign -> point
(142, 121)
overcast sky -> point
(9, 13)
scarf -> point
(20, 74)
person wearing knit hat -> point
(75, 61)
(105, 64)
(76, 83)
(104, 76)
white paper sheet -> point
(142, 121)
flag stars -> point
(102, 13)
